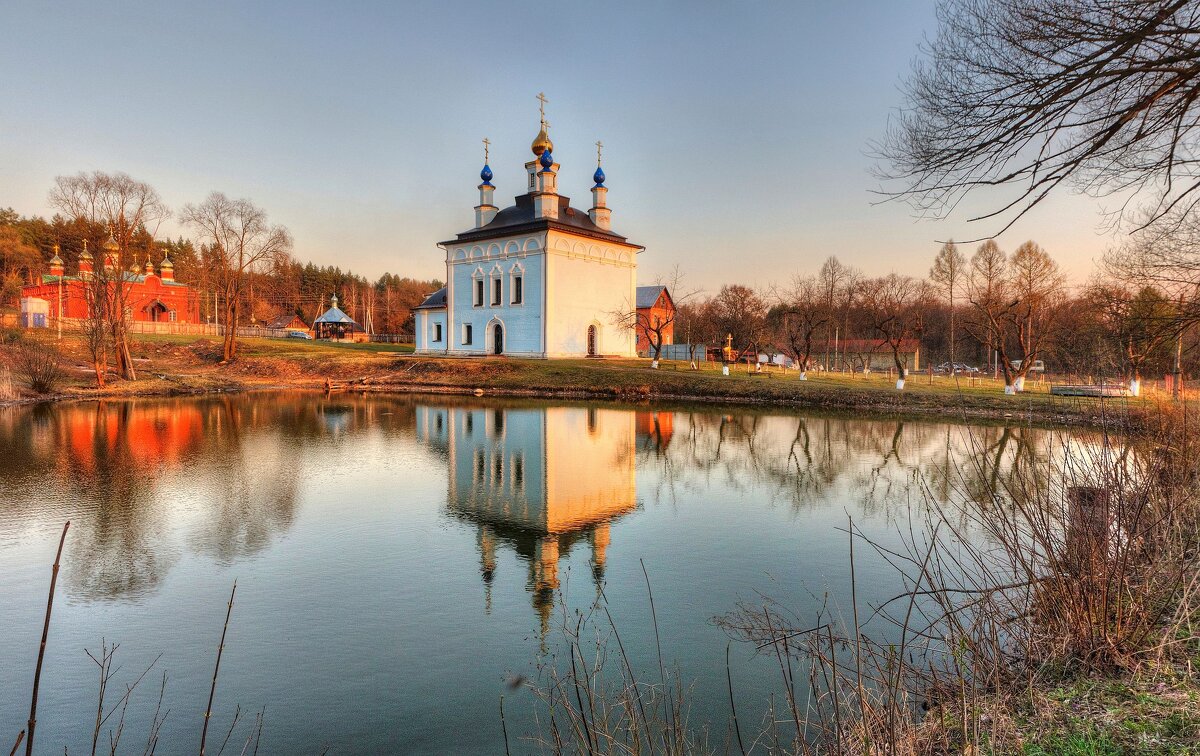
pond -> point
(402, 561)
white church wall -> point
(501, 260)
(425, 326)
(589, 282)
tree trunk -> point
(952, 355)
(901, 370)
(231, 321)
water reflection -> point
(537, 480)
(147, 481)
(143, 481)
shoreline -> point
(183, 366)
(1097, 413)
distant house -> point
(870, 354)
(287, 323)
(333, 324)
(654, 308)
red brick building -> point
(654, 308)
(152, 296)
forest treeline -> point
(277, 285)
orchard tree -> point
(895, 306)
(1141, 322)
(947, 275)
(800, 313)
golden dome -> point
(111, 244)
(542, 143)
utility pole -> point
(60, 305)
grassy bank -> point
(170, 365)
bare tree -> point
(1038, 286)
(990, 297)
(1013, 301)
(1031, 94)
(1140, 321)
(802, 312)
(738, 315)
(241, 239)
(1166, 257)
(896, 305)
(132, 211)
(655, 326)
(832, 281)
(947, 273)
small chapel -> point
(539, 278)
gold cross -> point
(542, 106)
(599, 146)
(486, 143)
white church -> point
(537, 279)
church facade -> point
(537, 279)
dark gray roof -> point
(648, 295)
(434, 301)
(282, 321)
(520, 218)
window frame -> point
(437, 333)
(468, 334)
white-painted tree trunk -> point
(900, 384)
(1019, 383)
(724, 370)
(1010, 390)
(654, 364)
(803, 375)
(1135, 387)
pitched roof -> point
(519, 218)
(283, 321)
(434, 301)
(865, 346)
(648, 295)
(334, 315)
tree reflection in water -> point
(131, 475)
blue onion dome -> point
(598, 176)
(486, 174)
(547, 160)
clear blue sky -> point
(736, 135)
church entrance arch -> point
(497, 339)
(591, 341)
(157, 312)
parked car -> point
(299, 335)
(1038, 366)
(959, 367)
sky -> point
(737, 135)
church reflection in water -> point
(538, 480)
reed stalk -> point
(212, 691)
(37, 673)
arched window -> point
(591, 341)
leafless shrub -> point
(38, 364)
(585, 706)
(1087, 567)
